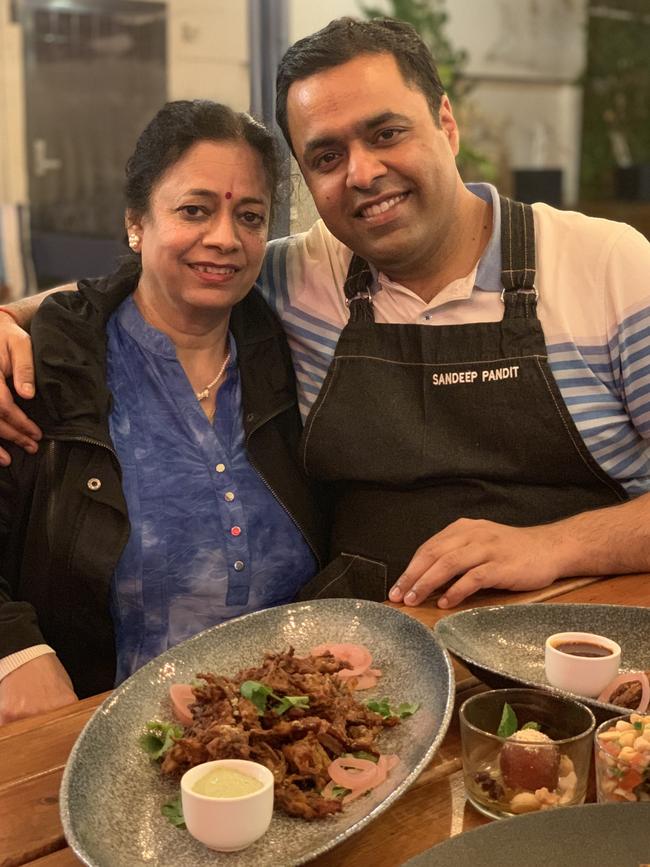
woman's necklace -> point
(205, 392)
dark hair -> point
(176, 128)
(346, 38)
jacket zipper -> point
(278, 499)
(82, 439)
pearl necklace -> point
(201, 395)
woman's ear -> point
(133, 231)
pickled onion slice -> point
(182, 696)
(629, 677)
(353, 773)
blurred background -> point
(552, 99)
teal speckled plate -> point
(111, 793)
(504, 645)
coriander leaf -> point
(405, 709)
(362, 754)
(508, 725)
(288, 701)
(159, 737)
(340, 791)
(256, 692)
(173, 811)
(531, 725)
(381, 707)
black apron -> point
(416, 426)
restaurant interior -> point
(512, 728)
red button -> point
(235, 531)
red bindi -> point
(229, 195)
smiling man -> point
(468, 437)
(472, 371)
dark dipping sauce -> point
(583, 648)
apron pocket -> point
(348, 576)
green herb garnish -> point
(340, 791)
(159, 737)
(362, 754)
(383, 708)
(509, 724)
(173, 811)
(406, 709)
(259, 694)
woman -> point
(165, 497)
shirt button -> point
(93, 484)
(239, 565)
(229, 496)
(220, 468)
(235, 531)
(427, 316)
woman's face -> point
(203, 237)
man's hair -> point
(346, 38)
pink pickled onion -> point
(358, 775)
(352, 773)
(182, 696)
(629, 677)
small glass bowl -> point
(506, 778)
(622, 759)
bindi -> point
(229, 195)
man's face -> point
(382, 173)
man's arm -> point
(16, 361)
(38, 686)
(481, 554)
(32, 679)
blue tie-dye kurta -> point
(188, 484)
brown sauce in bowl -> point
(583, 648)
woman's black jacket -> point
(63, 518)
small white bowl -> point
(228, 824)
(581, 675)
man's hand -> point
(16, 359)
(40, 685)
(478, 554)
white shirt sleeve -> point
(15, 660)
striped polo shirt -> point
(593, 279)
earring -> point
(134, 240)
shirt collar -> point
(151, 339)
(487, 275)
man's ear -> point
(448, 124)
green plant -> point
(616, 82)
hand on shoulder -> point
(16, 361)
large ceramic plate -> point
(616, 835)
(505, 644)
(111, 793)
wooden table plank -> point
(33, 753)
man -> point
(466, 438)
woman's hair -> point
(346, 38)
(176, 128)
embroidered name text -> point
(453, 377)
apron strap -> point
(518, 258)
(357, 290)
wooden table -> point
(33, 754)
